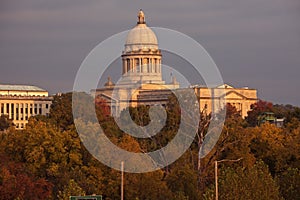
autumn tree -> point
(71, 189)
(5, 123)
(245, 183)
(289, 182)
(256, 110)
(17, 182)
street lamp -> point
(216, 171)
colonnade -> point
(142, 65)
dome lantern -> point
(141, 37)
(141, 17)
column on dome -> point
(152, 65)
(128, 65)
(123, 66)
(148, 65)
(159, 66)
(141, 65)
(133, 69)
(137, 65)
(156, 65)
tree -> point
(61, 110)
(245, 183)
(257, 109)
(182, 181)
(289, 182)
(71, 189)
(5, 123)
(17, 182)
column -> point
(9, 110)
(141, 66)
(15, 111)
(159, 66)
(133, 65)
(127, 65)
(124, 69)
(5, 111)
(152, 65)
(148, 65)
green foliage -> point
(48, 159)
(257, 109)
(61, 111)
(5, 123)
(245, 183)
(72, 189)
(182, 181)
(289, 182)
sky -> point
(255, 43)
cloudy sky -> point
(255, 43)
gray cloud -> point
(255, 43)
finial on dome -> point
(141, 17)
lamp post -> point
(216, 172)
(122, 180)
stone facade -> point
(240, 98)
(20, 102)
(141, 82)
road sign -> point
(96, 197)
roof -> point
(21, 88)
(141, 36)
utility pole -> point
(122, 180)
(216, 179)
(216, 173)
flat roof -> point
(5, 87)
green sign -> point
(98, 197)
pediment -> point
(233, 95)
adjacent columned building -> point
(20, 102)
(240, 98)
(141, 82)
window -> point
(47, 106)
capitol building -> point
(142, 84)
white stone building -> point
(20, 102)
(141, 82)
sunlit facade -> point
(141, 82)
(20, 102)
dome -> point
(141, 37)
